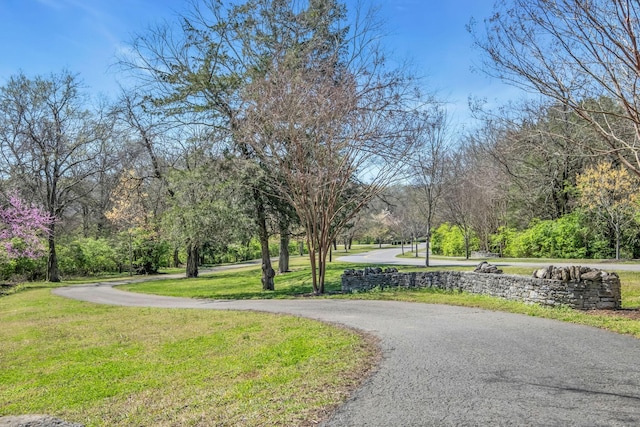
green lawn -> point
(115, 366)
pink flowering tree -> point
(22, 227)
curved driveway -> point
(458, 366)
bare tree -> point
(459, 206)
(335, 134)
(50, 144)
(476, 195)
(127, 208)
(149, 132)
(433, 146)
(486, 197)
(582, 54)
(538, 147)
(353, 229)
(154, 142)
(381, 226)
(206, 65)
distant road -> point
(390, 256)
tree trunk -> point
(176, 258)
(193, 256)
(427, 246)
(261, 220)
(85, 221)
(617, 231)
(322, 268)
(314, 271)
(130, 253)
(283, 260)
(53, 274)
(317, 267)
(466, 245)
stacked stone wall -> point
(594, 290)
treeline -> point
(534, 181)
(97, 256)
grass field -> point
(113, 366)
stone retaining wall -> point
(596, 289)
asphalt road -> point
(452, 366)
(390, 256)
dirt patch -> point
(35, 421)
(629, 313)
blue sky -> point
(84, 36)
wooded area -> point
(256, 129)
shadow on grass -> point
(246, 284)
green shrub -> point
(89, 256)
(22, 269)
(295, 246)
(236, 252)
(150, 251)
(448, 240)
(566, 237)
(86, 256)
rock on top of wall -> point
(370, 270)
(485, 267)
(574, 273)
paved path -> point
(452, 366)
(390, 256)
